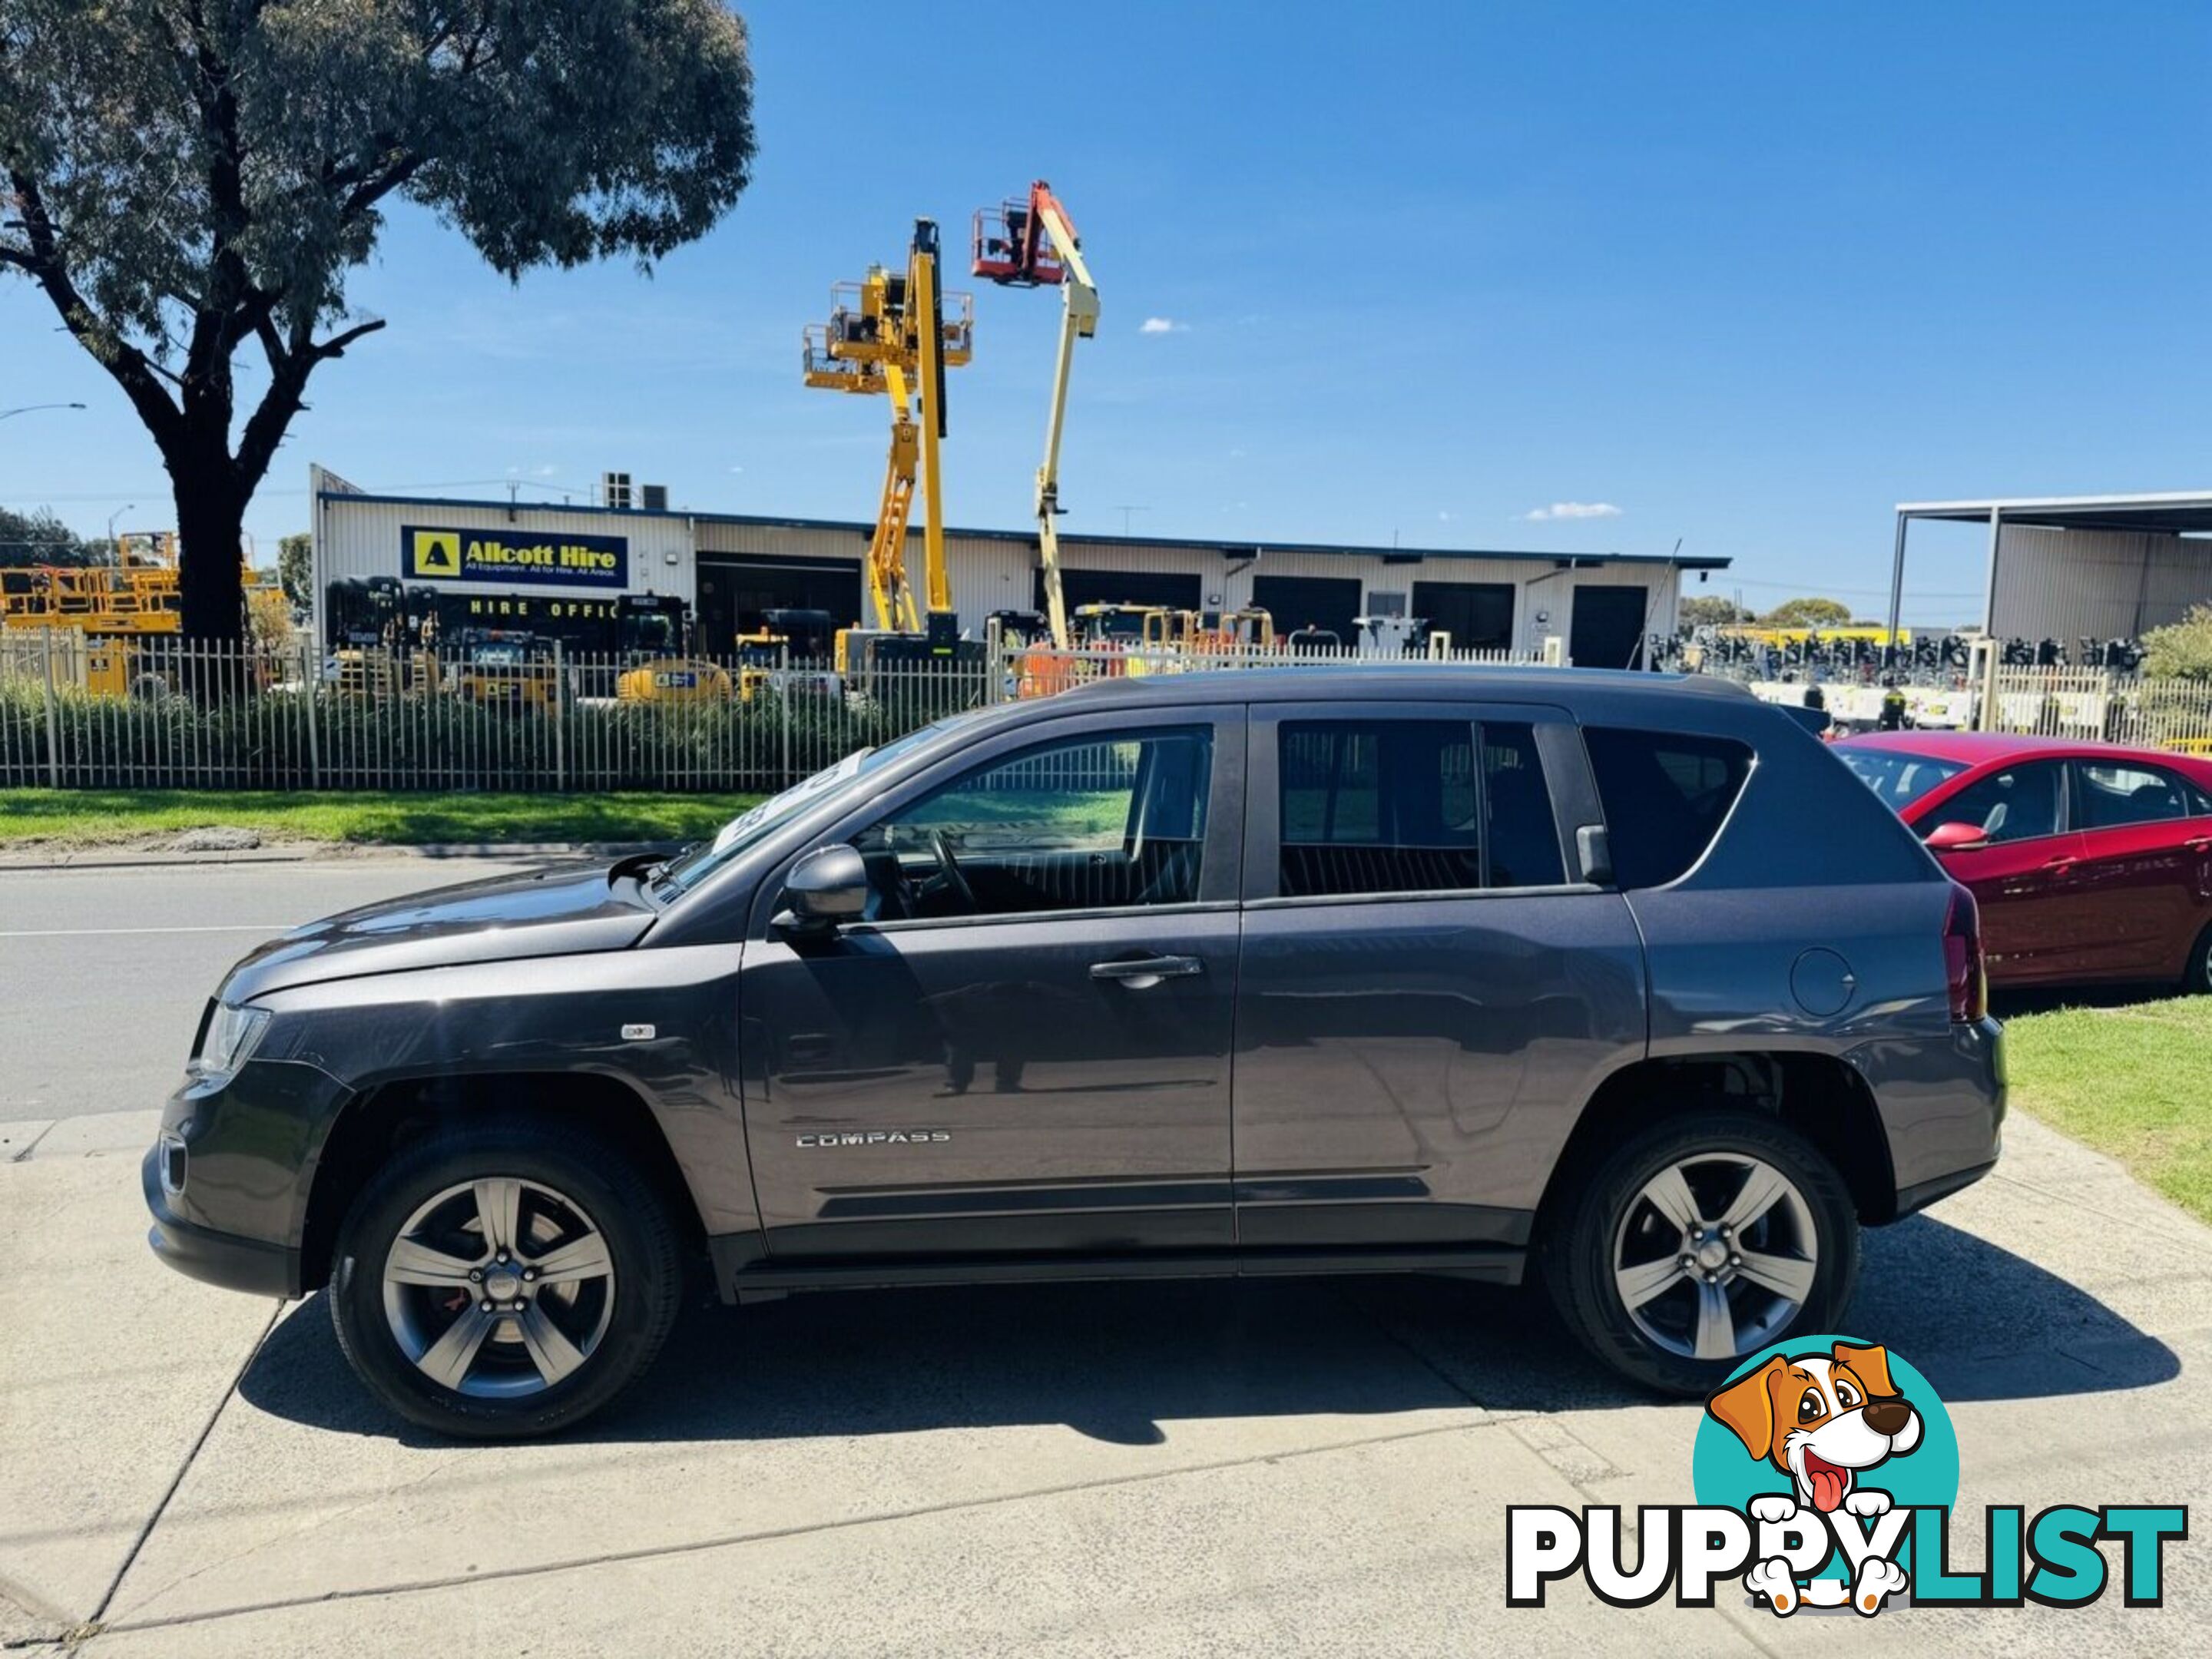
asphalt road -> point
(103, 972)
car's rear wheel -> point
(504, 1280)
(1701, 1241)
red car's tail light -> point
(1962, 958)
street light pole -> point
(115, 552)
(27, 408)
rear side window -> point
(2111, 797)
(1412, 806)
(1665, 797)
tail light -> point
(1962, 958)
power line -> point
(1818, 589)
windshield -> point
(697, 862)
(1899, 776)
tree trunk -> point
(210, 523)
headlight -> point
(229, 1039)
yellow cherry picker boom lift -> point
(1032, 244)
(890, 334)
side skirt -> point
(743, 1271)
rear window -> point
(1899, 778)
(1665, 797)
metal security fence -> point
(156, 712)
(167, 715)
(2089, 703)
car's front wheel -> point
(501, 1279)
(1701, 1241)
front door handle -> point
(2198, 843)
(1142, 973)
(2062, 862)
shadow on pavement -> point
(1116, 1361)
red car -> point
(2090, 861)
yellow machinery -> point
(891, 334)
(674, 679)
(1170, 630)
(1250, 630)
(504, 668)
(138, 594)
(383, 636)
(760, 654)
(1123, 624)
(1033, 244)
(115, 607)
(653, 638)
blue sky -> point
(1748, 275)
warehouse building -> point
(2078, 567)
(561, 566)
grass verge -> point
(2133, 1081)
(113, 818)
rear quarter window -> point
(1665, 797)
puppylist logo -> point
(1826, 1471)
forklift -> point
(787, 652)
(506, 668)
(380, 636)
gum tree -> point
(187, 180)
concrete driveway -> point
(1273, 1468)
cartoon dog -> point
(1821, 1419)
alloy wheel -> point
(498, 1287)
(1715, 1255)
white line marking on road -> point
(222, 928)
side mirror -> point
(826, 887)
(1957, 838)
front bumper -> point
(212, 1257)
(249, 1143)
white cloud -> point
(1163, 325)
(1572, 510)
(736, 469)
(1444, 518)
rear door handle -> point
(2061, 863)
(2198, 843)
(1142, 973)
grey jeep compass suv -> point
(1305, 970)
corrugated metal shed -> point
(2074, 566)
(2067, 585)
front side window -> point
(1087, 823)
(2113, 797)
(2017, 804)
(1412, 806)
(850, 775)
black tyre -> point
(2197, 977)
(503, 1279)
(1699, 1240)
